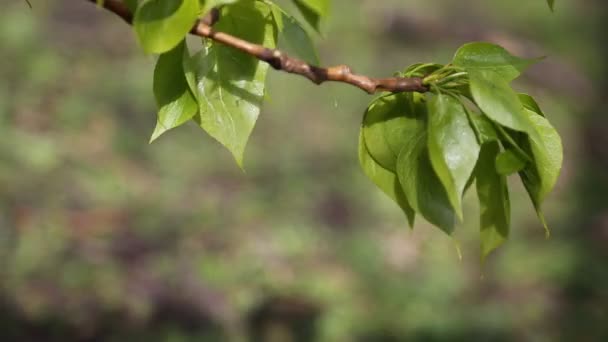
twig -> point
(281, 61)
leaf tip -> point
(411, 219)
(238, 158)
(158, 131)
(487, 250)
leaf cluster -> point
(218, 87)
(426, 150)
(423, 150)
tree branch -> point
(281, 61)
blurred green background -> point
(104, 237)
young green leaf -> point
(509, 162)
(161, 24)
(388, 124)
(494, 205)
(496, 99)
(421, 69)
(230, 84)
(453, 146)
(293, 36)
(175, 101)
(481, 56)
(421, 186)
(386, 180)
(313, 11)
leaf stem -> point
(448, 78)
(513, 144)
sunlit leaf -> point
(229, 84)
(161, 24)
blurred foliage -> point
(105, 237)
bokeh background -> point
(104, 237)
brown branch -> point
(281, 61)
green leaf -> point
(494, 205)
(483, 127)
(131, 4)
(422, 187)
(389, 122)
(453, 146)
(318, 6)
(496, 99)
(509, 162)
(540, 177)
(293, 36)
(530, 103)
(175, 101)
(386, 180)
(548, 155)
(161, 24)
(229, 84)
(481, 56)
(207, 5)
(313, 11)
(508, 139)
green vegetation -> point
(104, 236)
(420, 144)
